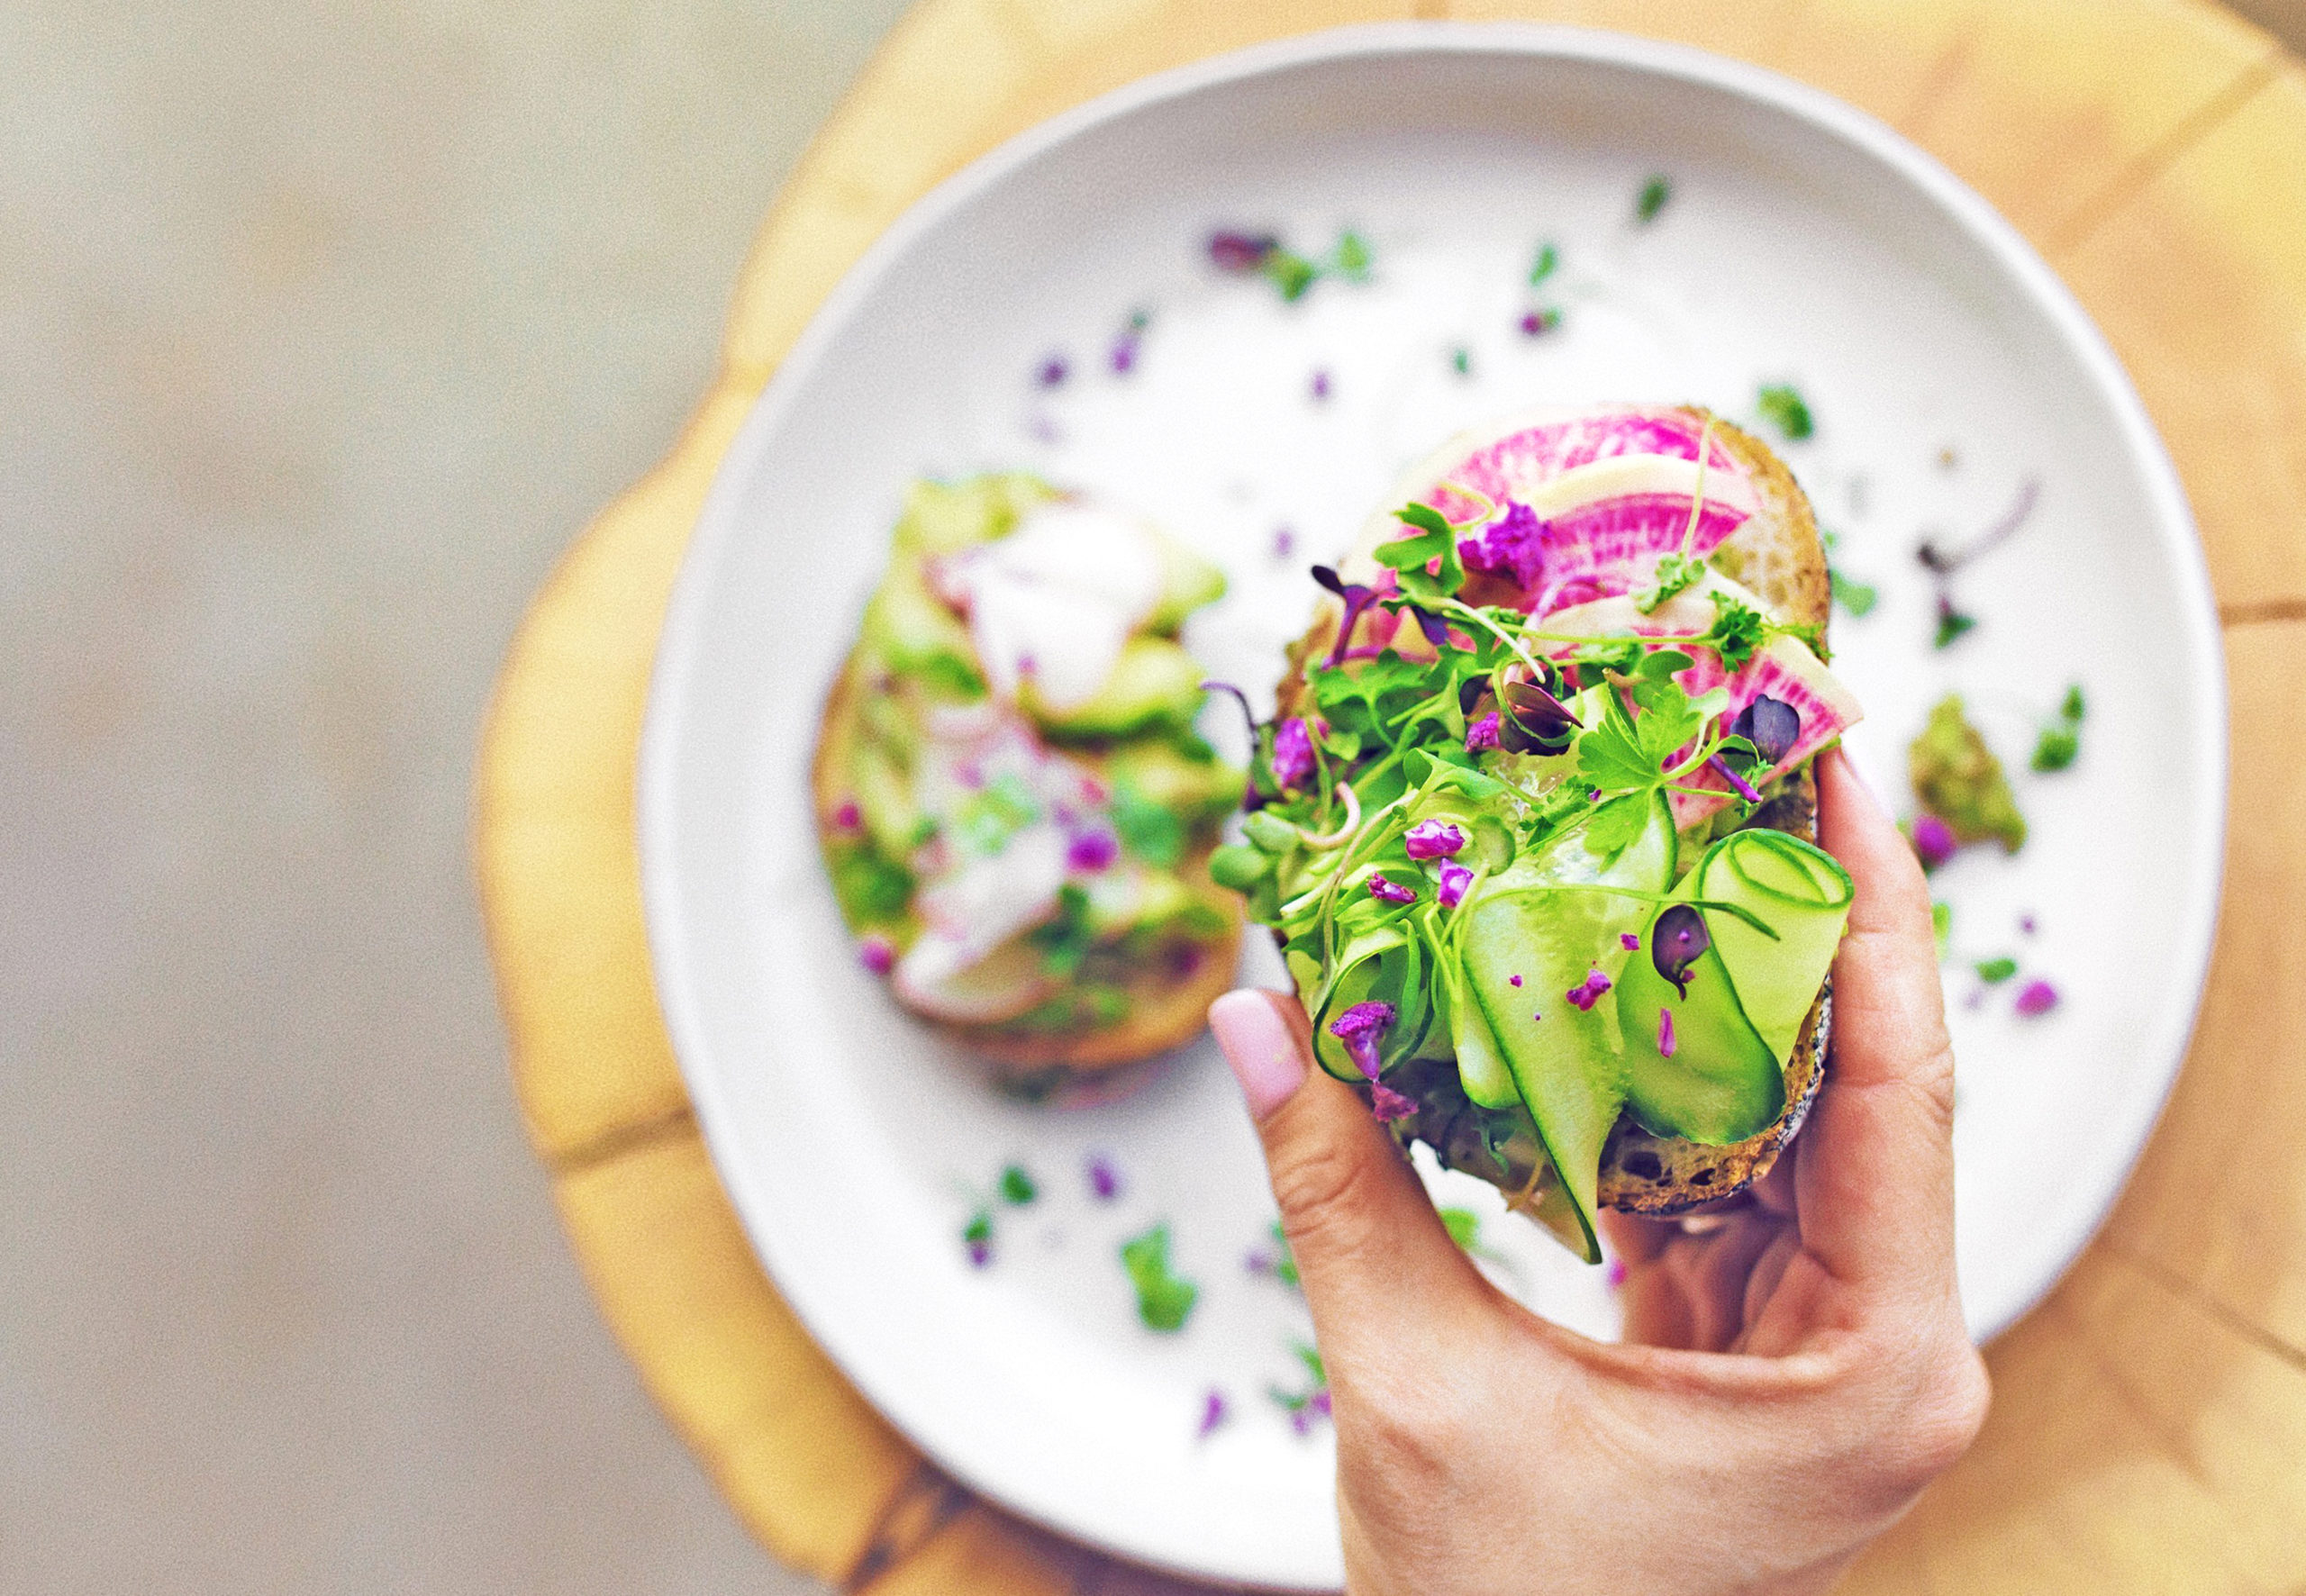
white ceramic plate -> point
(1945, 365)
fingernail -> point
(1260, 1047)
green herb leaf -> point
(1548, 258)
(1995, 971)
(1017, 1187)
(1352, 260)
(1408, 557)
(1677, 573)
(2073, 708)
(1782, 404)
(1463, 1226)
(1165, 1300)
(2056, 749)
(1738, 631)
(1858, 598)
(1951, 624)
(1941, 925)
(1461, 360)
(978, 1232)
(1291, 272)
(1655, 192)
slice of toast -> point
(1778, 555)
(1167, 1008)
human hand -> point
(1796, 1368)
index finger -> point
(1875, 1165)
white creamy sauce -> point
(1057, 599)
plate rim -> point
(718, 528)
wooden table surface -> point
(2149, 1424)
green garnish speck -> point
(1782, 403)
(1994, 971)
(1548, 258)
(1858, 598)
(1655, 192)
(1017, 1187)
(1165, 1300)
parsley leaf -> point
(1677, 573)
(1164, 1300)
(1017, 1187)
(1951, 624)
(2057, 747)
(1782, 403)
(1410, 557)
(1737, 632)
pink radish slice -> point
(1511, 464)
(1614, 546)
(1786, 670)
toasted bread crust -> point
(1166, 1010)
(1778, 555)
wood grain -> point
(2150, 1419)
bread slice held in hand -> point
(1535, 824)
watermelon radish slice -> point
(1512, 461)
(1784, 670)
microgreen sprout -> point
(1164, 1299)
(1856, 598)
(2060, 741)
(1782, 403)
(1017, 1186)
(1548, 258)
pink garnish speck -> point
(1321, 385)
(1390, 891)
(1933, 841)
(2026, 924)
(1617, 1274)
(877, 953)
(1433, 840)
(1091, 851)
(1285, 542)
(1513, 980)
(1388, 1104)
(980, 1253)
(849, 817)
(2038, 998)
(1588, 992)
(1665, 1042)
(1053, 371)
(1104, 1180)
(1212, 1412)
(1627, 941)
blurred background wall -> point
(322, 330)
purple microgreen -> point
(1994, 972)
(1588, 992)
(1721, 768)
(1771, 725)
(1018, 1188)
(1124, 356)
(1665, 1041)
(1359, 1028)
(1945, 562)
(1436, 629)
(2026, 924)
(1536, 722)
(1388, 891)
(1388, 1104)
(876, 953)
(1629, 940)
(1678, 940)
(1213, 1414)
(2038, 998)
(849, 817)
(1053, 372)
(1320, 386)
(1652, 199)
(1355, 598)
(1537, 323)
(1285, 542)
(977, 1237)
(1483, 734)
(1455, 880)
(1782, 404)
(1933, 841)
(1164, 1299)
(1513, 980)
(1240, 254)
(1433, 840)
(1105, 1179)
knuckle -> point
(1942, 1417)
(1323, 1192)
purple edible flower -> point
(980, 1255)
(1482, 735)
(1123, 358)
(2026, 924)
(1771, 724)
(1358, 1028)
(1451, 890)
(2038, 998)
(1292, 754)
(1321, 385)
(1678, 940)
(1433, 840)
(1092, 850)
(1054, 371)
(1104, 1180)
(1285, 542)
(1213, 1412)
(1388, 1104)
(1588, 992)
(1514, 546)
(1629, 940)
(1514, 980)
(1933, 841)
(877, 953)
(1665, 1043)
(1390, 891)
(1240, 253)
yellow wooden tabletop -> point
(2149, 1424)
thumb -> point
(1370, 1251)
